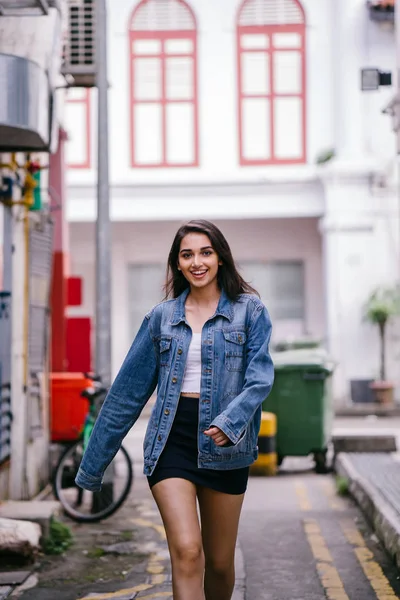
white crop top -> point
(192, 376)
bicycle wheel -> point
(82, 505)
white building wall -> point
(355, 195)
(218, 116)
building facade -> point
(31, 35)
(248, 113)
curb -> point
(366, 409)
(239, 591)
(385, 520)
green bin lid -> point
(315, 359)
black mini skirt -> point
(179, 457)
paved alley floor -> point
(301, 541)
(298, 539)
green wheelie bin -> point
(301, 399)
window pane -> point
(147, 78)
(287, 40)
(178, 46)
(287, 282)
(257, 275)
(148, 134)
(76, 147)
(145, 290)
(179, 78)
(256, 129)
(147, 47)
(254, 41)
(287, 73)
(77, 94)
(288, 128)
(280, 285)
(180, 134)
(255, 73)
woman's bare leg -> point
(219, 524)
(176, 501)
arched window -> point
(272, 82)
(163, 95)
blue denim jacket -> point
(236, 376)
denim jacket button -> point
(180, 351)
(166, 411)
(159, 438)
(174, 380)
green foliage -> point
(383, 304)
(325, 156)
(60, 538)
(96, 553)
(342, 486)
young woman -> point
(206, 350)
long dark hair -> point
(228, 276)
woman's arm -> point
(133, 386)
(258, 380)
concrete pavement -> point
(303, 542)
(138, 567)
(298, 541)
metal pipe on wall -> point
(103, 227)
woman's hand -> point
(218, 436)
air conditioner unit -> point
(79, 60)
(27, 8)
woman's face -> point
(198, 261)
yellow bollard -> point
(267, 462)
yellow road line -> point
(157, 595)
(145, 523)
(335, 502)
(327, 573)
(365, 557)
(156, 568)
(302, 496)
(158, 579)
(138, 588)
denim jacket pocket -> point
(165, 351)
(234, 350)
(230, 451)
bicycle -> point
(82, 505)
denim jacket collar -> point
(224, 308)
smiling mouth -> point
(198, 273)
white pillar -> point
(19, 434)
(348, 55)
(358, 257)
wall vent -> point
(79, 60)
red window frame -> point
(269, 30)
(86, 102)
(163, 36)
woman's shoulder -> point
(161, 308)
(251, 300)
(253, 307)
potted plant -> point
(382, 305)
